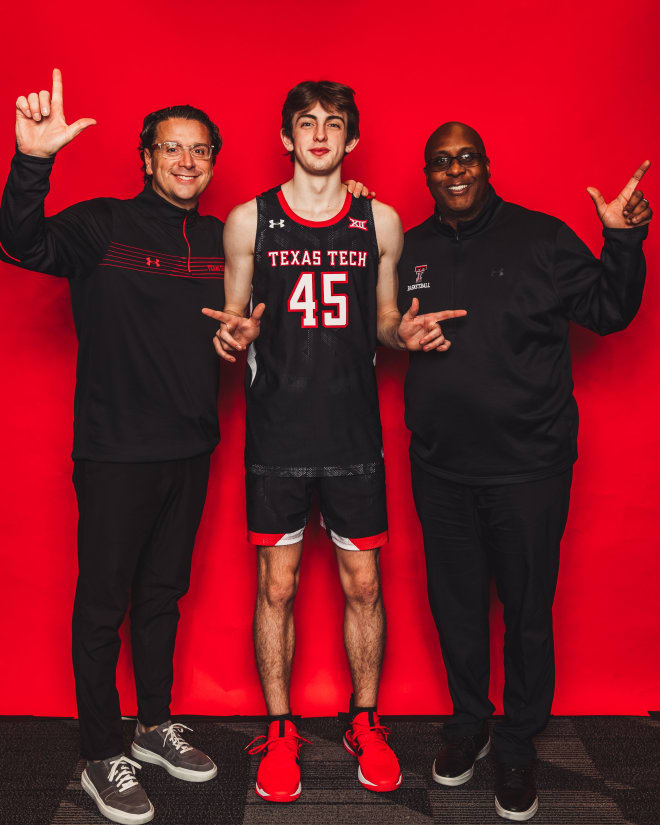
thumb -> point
(597, 198)
(80, 125)
(414, 308)
(257, 312)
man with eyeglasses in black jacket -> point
(145, 416)
(494, 433)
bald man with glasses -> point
(494, 433)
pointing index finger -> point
(219, 316)
(56, 96)
(630, 187)
(435, 317)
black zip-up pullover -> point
(498, 407)
(139, 272)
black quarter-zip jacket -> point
(139, 271)
(498, 407)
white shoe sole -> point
(453, 781)
(280, 797)
(186, 774)
(113, 814)
(370, 786)
(517, 816)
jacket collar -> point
(161, 208)
(466, 229)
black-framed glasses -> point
(174, 150)
(441, 163)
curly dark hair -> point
(332, 96)
(151, 121)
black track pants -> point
(136, 530)
(512, 532)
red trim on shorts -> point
(265, 539)
(370, 542)
(341, 214)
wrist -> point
(395, 339)
(33, 153)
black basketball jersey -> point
(312, 399)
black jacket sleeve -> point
(70, 244)
(602, 295)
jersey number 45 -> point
(303, 300)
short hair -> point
(331, 95)
(186, 112)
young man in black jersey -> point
(145, 419)
(494, 428)
(322, 270)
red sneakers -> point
(367, 740)
(278, 777)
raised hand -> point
(41, 128)
(629, 209)
(235, 332)
(423, 332)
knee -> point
(362, 589)
(154, 595)
(95, 627)
(148, 606)
(278, 590)
(99, 608)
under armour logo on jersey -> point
(419, 271)
(155, 261)
(497, 272)
(354, 223)
(273, 224)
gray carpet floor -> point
(592, 771)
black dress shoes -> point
(515, 792)
(454, 764)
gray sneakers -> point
(112, 784)
(117, 793)
(164, 746)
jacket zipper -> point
(185, 237)
(454, 274)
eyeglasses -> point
(174, 150)
(443, 162)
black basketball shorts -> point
(353, 509)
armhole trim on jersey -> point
(369, 211)
(338, 217)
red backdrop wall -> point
(562, 94)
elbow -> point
(608, 330)
(612, 325)
(618, 316)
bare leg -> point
(364, 621)
(274, 634)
